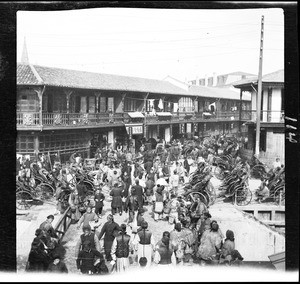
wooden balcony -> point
(90, 120)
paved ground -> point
(27, 222)
(26, 225)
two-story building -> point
(272, 138)
(60, 110)
(224, 80)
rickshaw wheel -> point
(243, 196)
(23, 200)
(45, 191)
(203, 198)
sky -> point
(153, 43)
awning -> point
(136, 114)
(164, 114)
(206, 113)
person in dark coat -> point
(46, 226)
(131, 206)
(57, 266)
(186, 165)
(148, 165)
(38, 259)
(138, 191)
(86, 257)
(127, 182)
(110, 229)
(116, 203)
(99, 198)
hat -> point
(50, 217)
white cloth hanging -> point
(160, 104)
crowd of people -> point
(153, 178)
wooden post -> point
(40, 93)
(257, 141)
(68, 94)
(98, 95)
(240, 113)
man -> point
(87, 217)
(27, 167)
(158, 200)
(262, 192)
(120, 250)
(174, 206)
(176, 236)
(144, 243)
(164, 254)
(109, 229)
(277, 164)
(116, 203)
(99, 198)
(138, 191)
(186, 165)
(46, 226)
(174, 181)
(86, 257)
(87, 235)
(148, 165)
(131, 206)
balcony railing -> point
(94, 119)
(28, 119)
(268, 116)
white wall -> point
(253, 105)
(265, 105)
(276, 105)
(254, 240)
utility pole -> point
(259, 91)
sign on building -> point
(137, 129)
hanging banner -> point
(188, 128)
(181, 128)
(195, 127)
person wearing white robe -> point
(144, 250)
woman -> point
(210, 245)
(228, 253)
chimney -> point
(215, 79)
(197, 80)
(206, 80)
(24, 58)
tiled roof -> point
(274, 77)
(214, 92)
(240, 73)
(88, 80)
(25, 76)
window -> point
(130, 104)
(25, 144)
